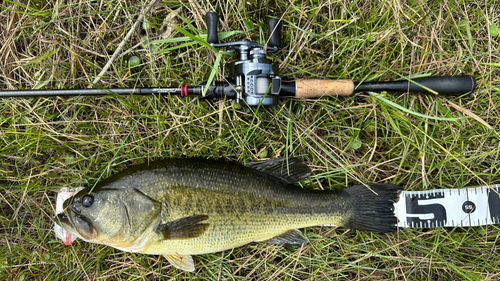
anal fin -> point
(183, 262)
(292, 237)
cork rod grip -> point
(314, 88)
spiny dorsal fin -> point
(291, 170)
(292, 237)
(181, 262)
(184, 228)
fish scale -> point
(250, 223)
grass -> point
(48, 143)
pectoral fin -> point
(185, 228)
(292, 237)
(181, 262)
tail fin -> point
(373, 207)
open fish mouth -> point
(78, 225)
(63, 219)
(65, 222)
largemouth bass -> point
(183, 207)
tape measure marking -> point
(449, 207)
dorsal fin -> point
(291, 170)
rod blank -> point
(88, 92)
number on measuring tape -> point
(449, 207)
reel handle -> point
(211, 19)
(274, 32)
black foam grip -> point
(274, 32)
(443, 85)
(211, 19)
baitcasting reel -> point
(255, 79)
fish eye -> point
(87, 201)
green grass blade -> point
(214, 71)
(395, 105)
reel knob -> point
(211, 19)
(274, 33)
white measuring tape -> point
(461, 207)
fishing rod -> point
(253, 80)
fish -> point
(182, 207)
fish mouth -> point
(63, 219)
(77, 225)
(65, 222)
